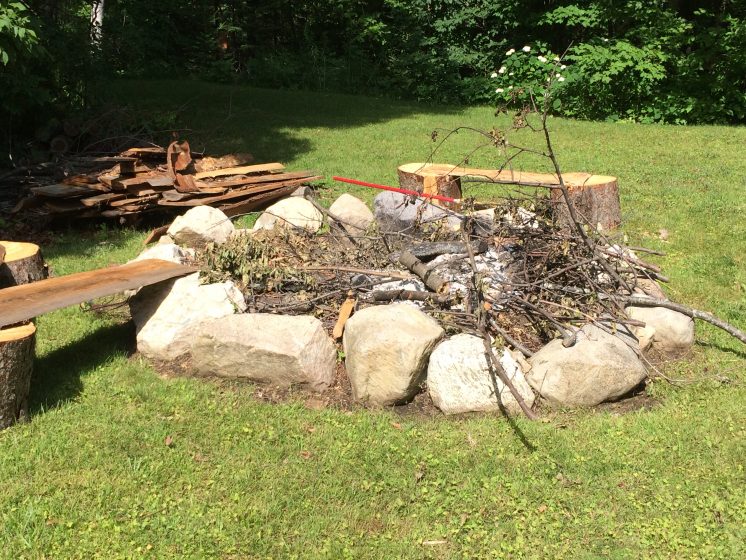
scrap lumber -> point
(22, 264)
(150, 179)
(21, 303)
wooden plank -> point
(237, 194)
(256, 202)
(505, 176)
(21, 303)
(101, 199)
(245, 170)
(61, 190)
(256, 179)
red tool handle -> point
(394, 189)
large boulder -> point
(166, 314)
(599, 367)
(352, 212)
(460, 378)
(278, 350)
(293, 211)
(386, 352)
(672, 332)
(199, 226)
(396, 212)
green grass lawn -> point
(91, 476)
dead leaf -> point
(542, 508)
(663, 234)
(169, 441)
(305, 454)
(396, 425)
(434, 542)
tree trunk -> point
(23, 264)
(16, 364)
(596, 200)
(415, 177)
(97, 21)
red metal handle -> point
(394, 189)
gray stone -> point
(396, 212)
(166, 314)
(294, 211)
(353, 213)
(599, 367)
(165, 252)
(460, 379)
(673, 332)
(278, 350)
(386, 352)
(199, 226)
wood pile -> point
(144, 180)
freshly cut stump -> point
(419, 178)
(595, 197)
(16, 364)
(22, 264)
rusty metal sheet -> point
(21, 303)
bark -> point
(16, 364)
(596, 200)
(430, 278)
(413, 178)
(97, 21)
(22, 264)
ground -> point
(119, 462)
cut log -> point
(16, 364)
(23, 264)
(420, 178)
(596, 201)
(431, 279)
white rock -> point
(386, 352)
(460, 379)
(303, 190)
(279, 350)
(166, 314)
(599, 367)
(353, 213)
(673, 332)
(166, 239)
(201, 225)
(165, 252)
(294, 211)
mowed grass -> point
(92, 477)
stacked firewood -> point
(143, 180)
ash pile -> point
(493, 308)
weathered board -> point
(21, 303)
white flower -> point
(493, 75)
(563, 66)
(606, 40)
(511, 51)
(556, 59)
(502, 70)
(561, 79)
(558, 75)
(541, 58)
(510, 73)
(526, 49)
(499, 90)
(510, 87)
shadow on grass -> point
(725, 349)
(235, 118)
(57, 377)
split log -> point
(17, 346)
(596, 199)
(23, 264)
(415, 177)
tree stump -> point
(417, 177)
(22, 264)
(595, 197)
(17, 345)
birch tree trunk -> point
(97, 21)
